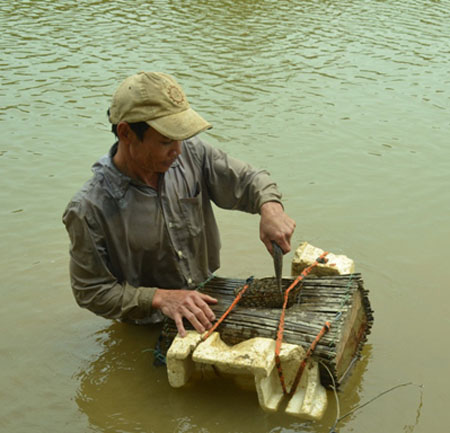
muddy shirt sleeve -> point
(234, 184)
(93, 285)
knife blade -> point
(278, 264)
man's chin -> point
(164, 168)
(170, 164)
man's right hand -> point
(190, 304)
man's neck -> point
(123, 164)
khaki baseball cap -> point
(157, 99)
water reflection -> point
(113, 387)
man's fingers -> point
(276, 226)
(195, 319)
(180, 327)
(197, 315)
(205, 309)
(282, 242)
(269, 246)
(273, 218)
(285, 245)
(191, 305)
(200, 316)
(208, 299)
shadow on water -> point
(121, 390)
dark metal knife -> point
(278, 264)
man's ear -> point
(124, 132)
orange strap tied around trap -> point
(309, 352)
(305, 272)
(224, 315)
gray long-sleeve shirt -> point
(127, 239)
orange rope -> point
(280, 332)
(309, 352)
(224, 315)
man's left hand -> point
(275, 225)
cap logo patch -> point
(175, 95)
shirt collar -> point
(116, 182)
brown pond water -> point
(345, 103)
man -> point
(144, 226)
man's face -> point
(155, 153)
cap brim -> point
(180, 126)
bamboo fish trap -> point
(340, 300)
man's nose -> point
(177, 147)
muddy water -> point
(346, 103)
